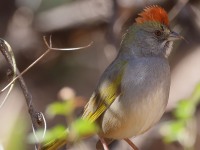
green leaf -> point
(56, 131)
(60, 108)
(49, 135)
(181, 129)
(172, 131)
(84, 127)
(17, 134)
(185, 109)
(196, 94)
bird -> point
(132, 93)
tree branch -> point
(36, 117)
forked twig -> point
(37, 118)
(49, 46)
(12, 63)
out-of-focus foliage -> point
(75, 23)
(49, 135)
(60, 108)
(17, 135)
(78, 128)
(83, 127)
(184, 127)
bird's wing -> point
(108, 89)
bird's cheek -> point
(149, 41)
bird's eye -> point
(158, 33)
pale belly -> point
(125, 120)
(142, 102)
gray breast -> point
(145, 91)
(144, 94)
(146, 75)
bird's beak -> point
(173, 36)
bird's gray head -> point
(150, 35)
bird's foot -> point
(131, 144)
(105, 146)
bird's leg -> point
(131, 144)
(105, 146)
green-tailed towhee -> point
(132, 93)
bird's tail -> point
(56, 143)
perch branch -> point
(36, 117)
(49, 48)
(14, 67)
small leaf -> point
(50, 134)
(60, 108)
(172, 131)
(185, 109)
(56, 131)
(17, 135)
(196, 94)
(84, 127)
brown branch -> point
(49, 48)
(36, 117)
(14, 70)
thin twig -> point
(24, 71)
(14, 67)
(49, 46)
(35, 118)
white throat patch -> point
(168, 45)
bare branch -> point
(49, 46)
(13, 64)
(24, 71)
(35, 116)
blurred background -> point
(74, 74)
